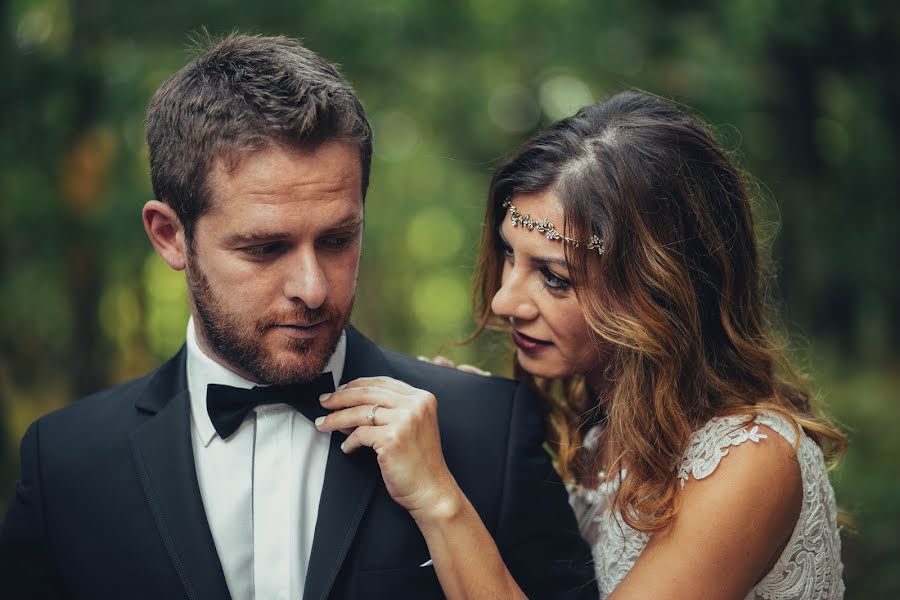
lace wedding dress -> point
(809, 568)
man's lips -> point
(528, 344)
(298, 330)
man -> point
(186, 484)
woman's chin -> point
(541, 366)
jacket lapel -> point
(349, 482)
(164, 459)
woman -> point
(619, 251)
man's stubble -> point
(239, 341)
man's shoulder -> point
(414, 371)
(103, 407)
(482, 404)
(101, 401)
(493, 399)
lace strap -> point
(710, 444)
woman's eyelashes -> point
(554, 282)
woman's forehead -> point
(540, 205)
(536, 207)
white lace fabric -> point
(810, 566)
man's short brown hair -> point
(244, 93)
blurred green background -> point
(804, 91)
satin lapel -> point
(164, 460)
(349, 482)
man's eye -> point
(262, 249)
(554, 282)
(337, 242)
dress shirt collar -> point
(202, 370)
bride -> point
(619, 252)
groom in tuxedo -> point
(207, 478)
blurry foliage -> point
(806, 93)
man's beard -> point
(239, 341)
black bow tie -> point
(227, 406)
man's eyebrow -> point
(539, 260)
(348, 223)
(258, 236)
(253, 237)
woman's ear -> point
(166, 233)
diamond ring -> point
(370, 416)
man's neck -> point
(206, 348)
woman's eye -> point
(554, 282)
(507, 251)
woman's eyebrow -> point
(559, 262)
(539, 260)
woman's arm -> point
(730, 529)
(465, 556)
(403, 431)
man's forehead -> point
(341, 158)
(275, 175)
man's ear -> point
(166, 233)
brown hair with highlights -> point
(676, 304)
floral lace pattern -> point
(810, 566)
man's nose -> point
(306, 280)
(513, 299)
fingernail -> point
(422, 358)
(343, 448)
(324, 397)
(319, 421)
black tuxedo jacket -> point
(108, 504)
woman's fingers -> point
(446, 362)
(438, 360)
(388, 383)
(362, 394)
(361, 436)
(403, 432)
(473, 369)
(354, 417)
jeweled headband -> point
(546, 227)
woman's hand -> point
(399, 422)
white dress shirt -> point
(261, 486)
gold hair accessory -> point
(546, 227)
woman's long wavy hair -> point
(676, 304)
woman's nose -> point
(512, 299)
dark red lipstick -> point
(528, 344)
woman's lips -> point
(527, 344)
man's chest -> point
(261, 490)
